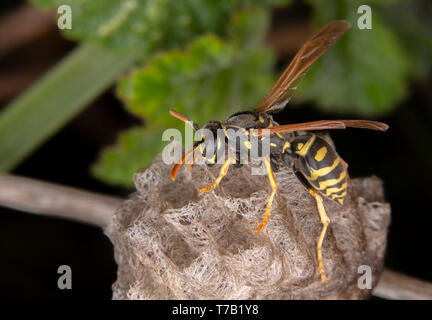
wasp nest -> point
(171, 243)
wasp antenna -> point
(185, 119)
(179, 116)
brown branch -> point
(286, 39)
(12, 82)
(50, 199)
(24, 25)
(397, 286)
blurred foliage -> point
(216, 63)
(134, 149)
(411, 22)
(149, 26)
(365, 74)
(55, 99)
(211, 79)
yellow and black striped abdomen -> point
(322, 167)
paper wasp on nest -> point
(314, 161)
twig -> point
(286, 39)
(16, 80)
(24, 25)
(397, 286)
(50, 199)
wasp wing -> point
(366, 124)
(325, 125)
(283, 89)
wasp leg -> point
(325, 221)
(222, 173)
(190, 162)
(177, 166)
(274, 189)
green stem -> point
(55, 99)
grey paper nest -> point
(171, 243)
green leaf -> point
(60, 95)
(364, 74)
(211, 79)
(152, 25)
(130, 154)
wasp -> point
(314, 161)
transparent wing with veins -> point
(283, 89)
(324, 125)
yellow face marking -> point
(212, 159)
(261, 119)
(329, 191)
(219, 143)
(248, 144)
(323, 171)
(273, 144)
(321, 153)
(201, 147)
(331, 182)
(303, 149)
(286, 145)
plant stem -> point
(49, 199)
(55, 99)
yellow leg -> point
(274, 189)
(177, 166)
(190, 162)
(222, 173)
(325, 221)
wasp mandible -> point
(314, 161)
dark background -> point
(33, 247)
